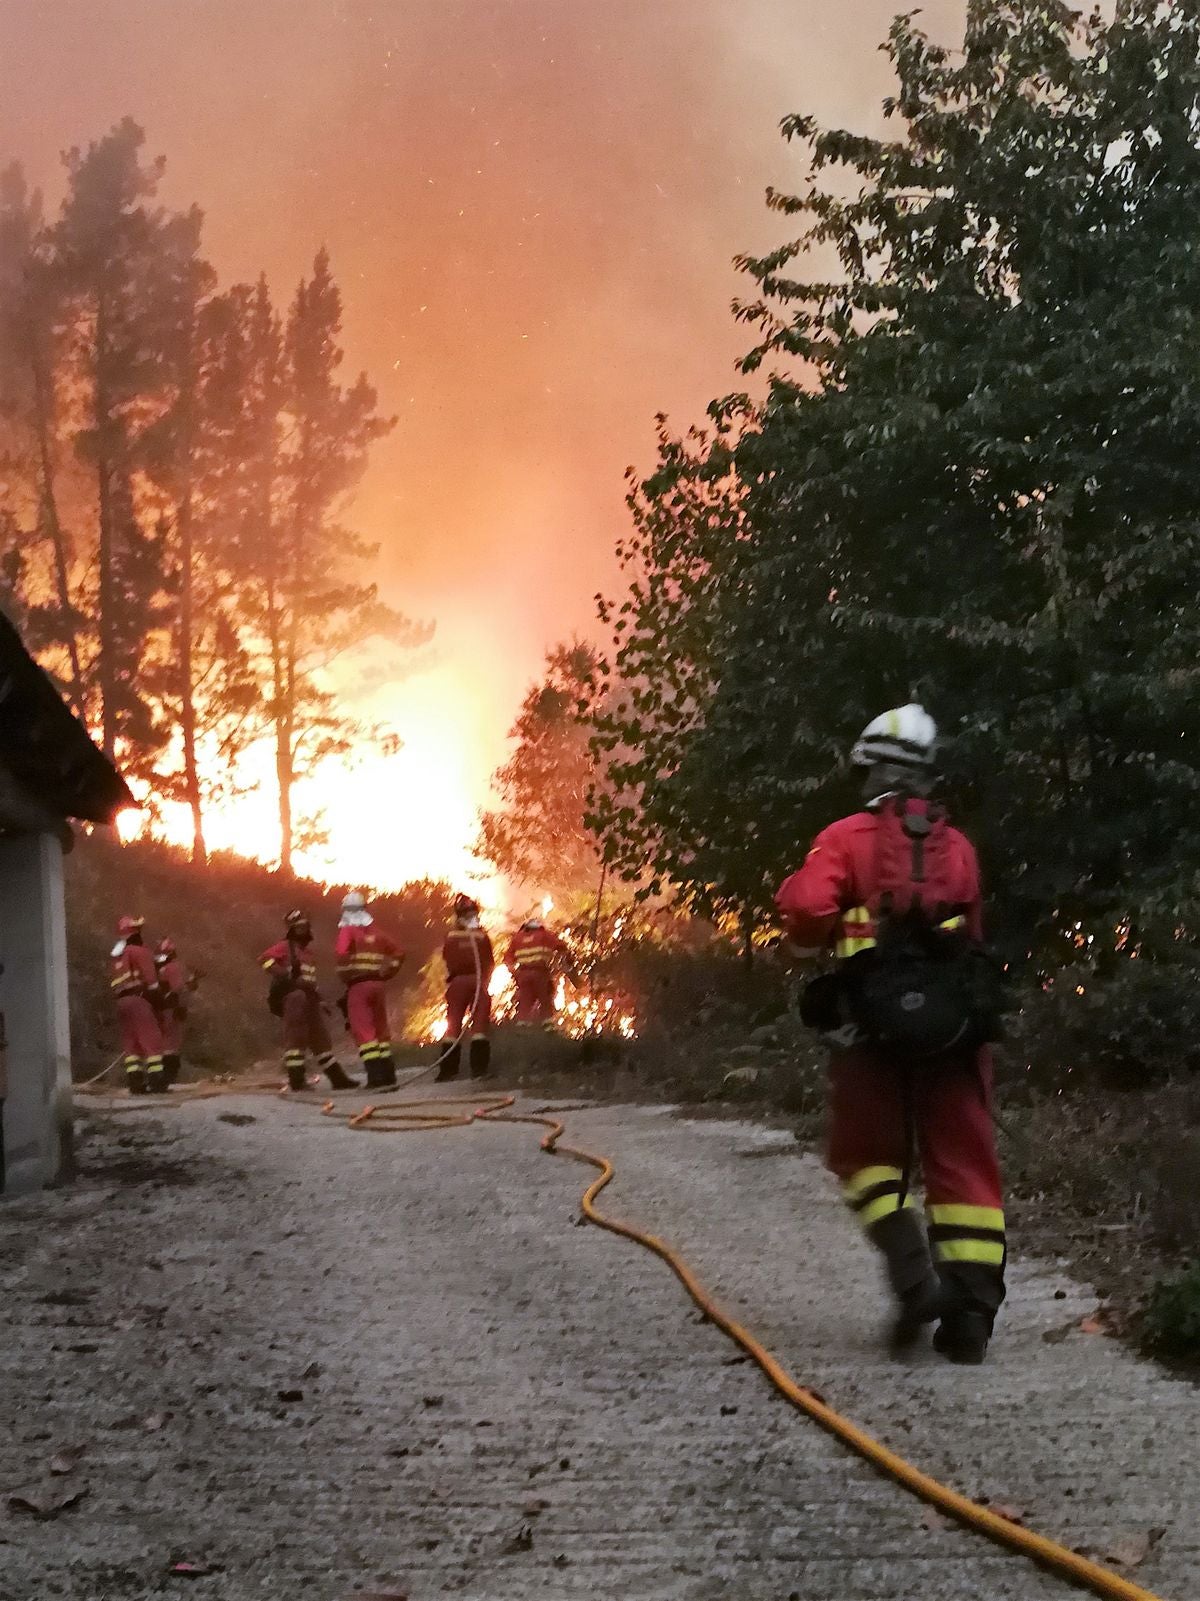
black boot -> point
(172, 1067)
(480, 1057)
(297, 1080)
(338, 1078)
(156, 1077)
(135, 1081)
(449, 1067)
(919, 1293)
(962, 1336)
(385, 1072)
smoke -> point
(531, 206)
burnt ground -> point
(253, 1354)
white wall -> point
(33, 998)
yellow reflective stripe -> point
(882, 1206)
(988, 1251)
(953, 922)
(867, 1178)
(857, 914)
(893, 723)
(269, 963)
(968, 1217)
(849, 947)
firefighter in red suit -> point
(132, 979)
(467, 953)
(366, 960)
(175, 983)
(954, 1276)
(534, 955)
(295, 998)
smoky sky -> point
(531, 205)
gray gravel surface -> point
(317, 1363)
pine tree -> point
(109, 255)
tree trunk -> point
(187, 685)
(104, 471)
(47, 494)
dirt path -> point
(318, 1363)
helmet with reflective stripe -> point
(166, 948)
(129, 925)
(903, 737)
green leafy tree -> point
(972, 479)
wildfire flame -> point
(577, 1013)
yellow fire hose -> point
(412, 1116)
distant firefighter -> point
(534, 956)
(294, 997)
(469, 958)
(366, 960)
(132, 980)
(175, 982)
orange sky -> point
(531, 206)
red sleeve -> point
(488, 954)
(272, 956)
(345, 943)
(974, 898)
(390, 948)
(511, 952)
(808, 902)
(447, 947)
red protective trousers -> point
(366, 1012)
(535, 993)
(141, 1033)
(955, 1153)
(951, 1106)
(304, 1026)
(461, 998)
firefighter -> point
(175, 981)
(133, 980)
(467, 953)
(366, 960)
(534, 954)
(882, 1102)
(294, 997)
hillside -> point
(220, 917)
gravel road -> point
(317, 1363)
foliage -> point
(1172, 1321)
(176, 462)
(537, 836)
(978, 488)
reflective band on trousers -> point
(874, 1192)
(961, 1233)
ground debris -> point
(1131, 1549)
(44, 1503)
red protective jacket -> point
(534, 948)
(834, 897)
(366, 953)
(462, 948)
(279, 958)
(133, 972)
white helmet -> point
(904, 737)
(354, 911)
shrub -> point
(1172, 1322)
